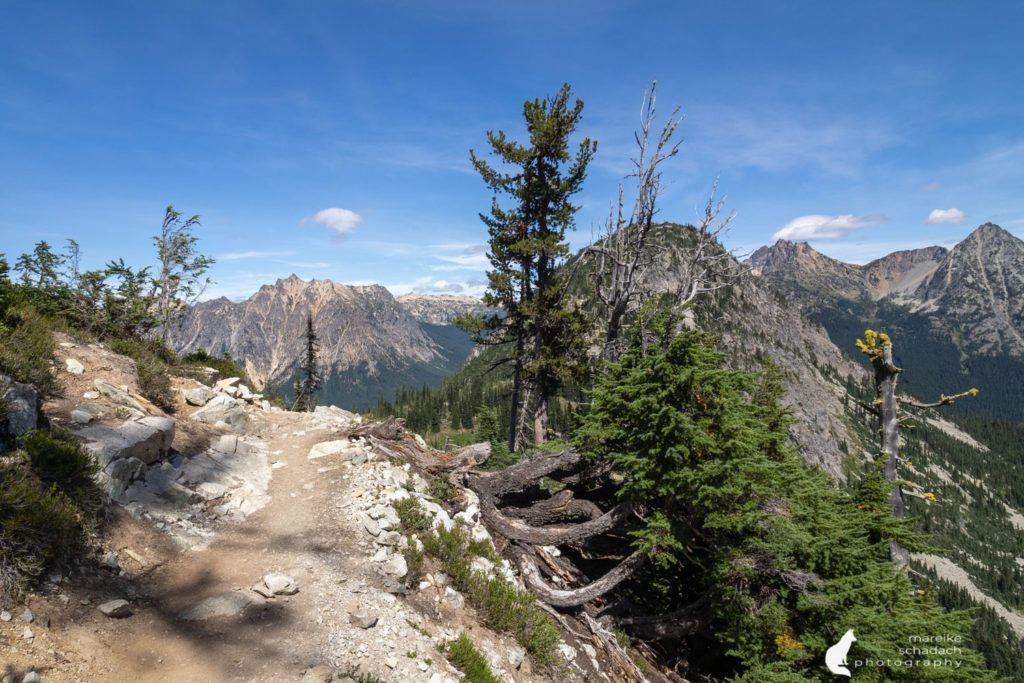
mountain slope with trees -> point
(962, 310)
(370, 343)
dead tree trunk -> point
(878, 348)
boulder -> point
(22, 401)
(119, 395)
(148, 440)
(230, 604)
(223, 409)
(74, 367)
(198, 396)
(81, 417)
(228, 386)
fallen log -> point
(430, 461)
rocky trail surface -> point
(285, 569)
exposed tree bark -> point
(610, 645)
(557, 534)
(521, 475)
(391, 428)
(387, 438)
(577, 596)
(560, 506)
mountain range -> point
(956, 316)
(370, 343)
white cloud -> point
(931, 187)
(441, 286)
(946, 216)
(341, 221)
(817, 227)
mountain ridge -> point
(370, 343)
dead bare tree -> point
(623, 255)
(878, 348)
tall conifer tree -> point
(527, 246)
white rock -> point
(326, 448)
(229, 604)
(74, 366)
(453, 597)
(280, 584)
(210, 490)
(91, 395)
(116, 609)
(371, 526)
(567, 651)
(396, 566)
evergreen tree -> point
(308, 382)
(757, 562)
(527, 246)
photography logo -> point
(835, 656)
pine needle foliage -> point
(783, 562)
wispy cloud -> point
(302, 264)
(463, 262)
(783, 140)
(238, 256)
(931, 187)
(818, 227)
(955, 216)
(341, 221)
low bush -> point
(440, 488)
(59, 460)
(503, 605)
(153, 361)
(225, 365)
(464, 656)
(26, 347)
(38, 528)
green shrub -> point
(463, 655)
(38, 529)
(440, 488)
(411, 516)
(225, 365)
(414, 561)
(504, 606)
(152, 360)
(59, 460)
(487, 429)
(26, 347)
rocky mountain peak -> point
(441, 309)
(981, 283)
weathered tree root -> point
(577, 596)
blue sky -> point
(331, 139)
